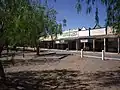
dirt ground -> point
(69, 73)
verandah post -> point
(81, 53)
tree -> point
(20, 20)
(53, 28)
(64, 22)
(112, 9)
(23, 24)
(28, 19)
(47, 24)
(96, 17)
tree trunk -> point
(0, 52)
(2, 73)
(12, 59)
(53, 44)
(23, 51)
(37, 47)
(16, 49)
(1, 48)
(2, 43)
(7, 49)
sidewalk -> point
(76, 51)
(108, 55)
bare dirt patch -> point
(70, 73)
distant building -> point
(95, 39)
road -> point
(113, 56)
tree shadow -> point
(45, 80)
(108, 78)
(103, 79)
(41, 60)
(20, 62)
(10, 54)
(61, 80)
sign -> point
(57, 42)
(74, 34)
(66, 34)
(61, 41)
(84, 40)
(69, 33)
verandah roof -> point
(90, 37)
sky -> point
(66, 9)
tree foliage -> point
(112, 9)
(96, 17)
(25, 21)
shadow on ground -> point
(60, 80)
(106, 79)
(34, 59)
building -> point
(95, 39)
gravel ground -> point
(70, 73)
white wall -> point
(109, 30)
(95, 32)
(76, 33)
(69, 34)
(83, 33)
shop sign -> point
(84, 40)
(57, 42)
